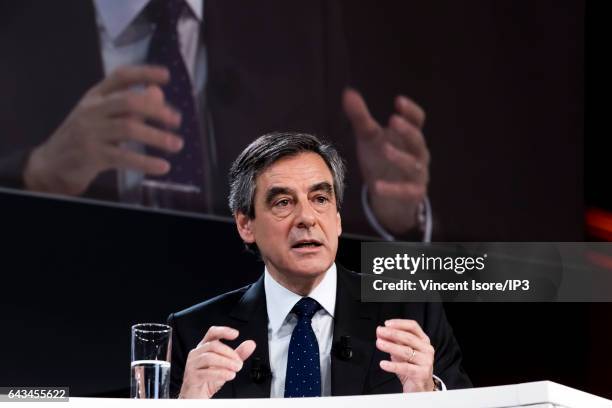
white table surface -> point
(541, 394)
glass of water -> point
(151, 349)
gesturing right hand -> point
(88, 141)
(212, 363)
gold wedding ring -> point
(412, 355)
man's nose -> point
(306, 217)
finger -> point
(410, 110)
(218, 347)
(408, 137)
(215, 360)
(410, 168)
(219, 332)
(123, 158)
(402, 337)
(404, 353)
(245, 349)
(129, 75)
(357, 111)
(400, 190)
(134, 130)
(147, 104)
(408, 325)
(216, 374)
(400, 368)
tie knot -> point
(306, 308)
(167, 12)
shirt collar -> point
(280, 300)
(117, 15)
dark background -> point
(503, 85)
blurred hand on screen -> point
(394, 160)
(212, 363)
(411, 354)
(88, 142)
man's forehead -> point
(304, 169)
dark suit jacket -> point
(245, 310)
(272, 66)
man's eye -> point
(282, 203)
(321, 199)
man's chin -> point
(311, 266)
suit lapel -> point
(252, 321)
(357, 320)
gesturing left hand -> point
(412, 355)
(394, 160)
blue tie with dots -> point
(187, 165)
(303, 378)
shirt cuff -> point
(425, 218)
(442, 385)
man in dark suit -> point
(301, 329)
(75, 125)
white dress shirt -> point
(279, 302)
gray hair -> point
(268, 149)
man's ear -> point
(244, 225)
(339, 223)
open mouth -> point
(307, 243)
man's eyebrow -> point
(322, 186)
(274, 191)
